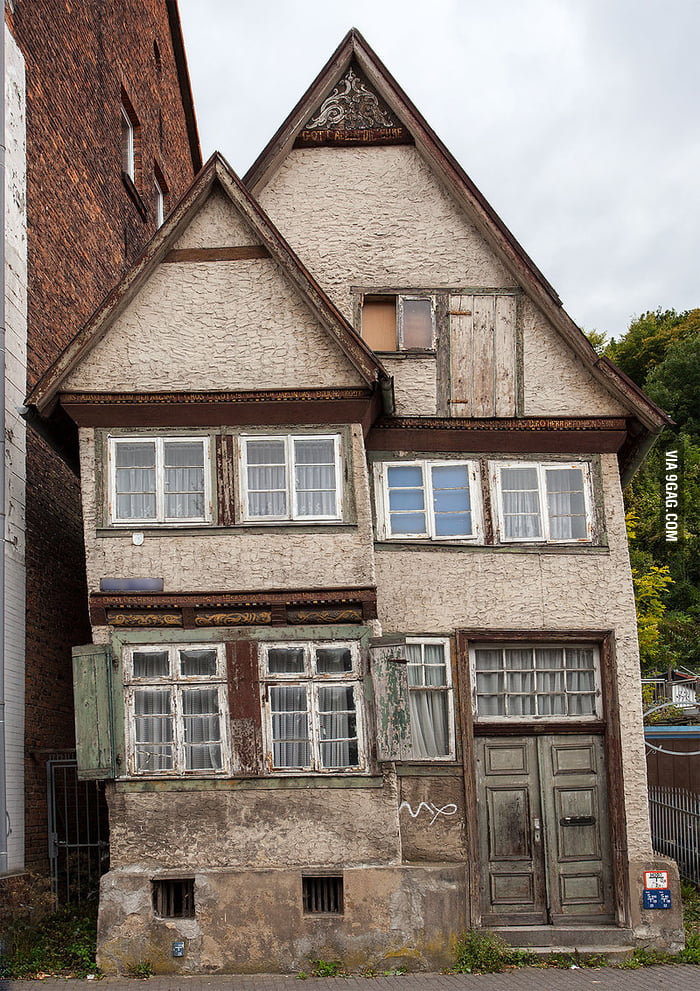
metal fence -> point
(675, 828)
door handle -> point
(538, 835)
(577, 821)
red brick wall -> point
(85, 226)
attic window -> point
(398, 322)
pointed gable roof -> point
(355, 56)
(216, 172)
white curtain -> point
(291, 746)
(428, 697)
(184, 480)
(201, 729)
(153, 729)
(135, 473)
(565, 503)
(338, 726)
(314, 477)
(267, 477)
(521, 502)
(198, 663)
(151, 663)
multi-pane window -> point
(176, 709)
(536, 681)
(430, 698)
(398, 323)
(313, 706)
(160, 480)
(436, 500)
(291, 477)
(544, 502)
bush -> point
(62, 943)
(479, 951)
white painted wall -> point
(15, 464)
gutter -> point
(4, 858)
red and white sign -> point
(656, 879)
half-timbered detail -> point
(364, 669)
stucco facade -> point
(370, 655)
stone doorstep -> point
(593, 939)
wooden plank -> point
(461, 355)
(471, 811)
(393, 720)
(504, 354)
(244, 706)
(94, 727)
(225, 482)
(484, 403)
(231, 254)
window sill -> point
(418, 353)
(363, 779)
(187, 530)
(134, 195)
(451, 545)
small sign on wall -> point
(657, 898)
(655, 879)
(179, 949)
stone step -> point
(611, 954)
(582, 937)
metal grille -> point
(322, 895)
(675, 828)
(78, 831)
(173, 898)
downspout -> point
(3, 777)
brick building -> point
(101, 139)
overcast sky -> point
(577, 119)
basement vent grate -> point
(322, 895)
(173, 898)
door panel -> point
(543, 831)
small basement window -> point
(322, 895)
(173, 898)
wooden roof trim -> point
(43, 395)
(448, 169)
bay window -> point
(176, 709)
(313, 706)
(291, 477)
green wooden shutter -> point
(244, 707)
(94, 712)
(388, 665)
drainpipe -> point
(3, 778)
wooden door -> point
(543, 831)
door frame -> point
(608, 727)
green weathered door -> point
(543, 829)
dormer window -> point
(398, 322)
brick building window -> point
(130, 140)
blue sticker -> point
(179, 949)
(657, 898)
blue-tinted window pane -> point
(453, 525)
(406, 500)
(405, 476)
(408, 523)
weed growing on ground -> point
(327, 968)
(141, 970)
(61, 944)
(479, 951)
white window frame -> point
(545, 717)
(381, 488)
(401, 299)
(160, 518)
(160, 202)
(312, 681)
(175, 682)
(447, 688)
(292, 515)
(128, 145)
(495, 468)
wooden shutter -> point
(94, 712)
(244, 707)
(482, 354)
(388, 665)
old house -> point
(363, 669)
(100, 141)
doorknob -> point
(537, 830)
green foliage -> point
(480, 951)
(141, 970)
(598, 340)
(646, 342)
(649, 586)
(61, 944)
(327, 968)
(647, 958)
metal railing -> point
(675, 828)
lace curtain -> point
(314, 477)
(428, 699)
(181, 474)
(535, 681)
(337, 721)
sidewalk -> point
(669, 978)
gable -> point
(208, 325)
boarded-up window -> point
(379, 322)
(482, 355)
(399, 323)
